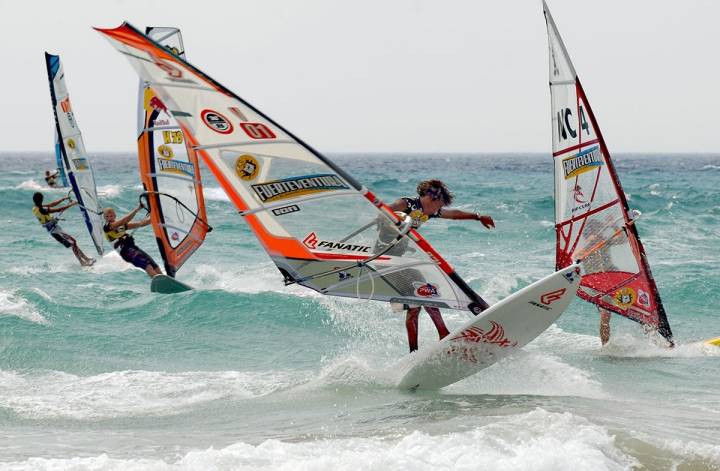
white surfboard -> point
(496, 333)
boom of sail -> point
(322, 228)
(169, 170)
(593, 220)
(71, 153)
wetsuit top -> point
(414, 210)
(44, 218)
(51, 180)
(118, 236)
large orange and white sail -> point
(169, 170)
(593, 220)
(322, 228)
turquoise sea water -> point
(243, 373)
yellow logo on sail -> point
(625, 297)
(247, 167)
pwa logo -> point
(310, 241)
(426, 290)
(549, 298)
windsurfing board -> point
(495, 334)
(712, 342)
(167, 285)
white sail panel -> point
(591, 212)
(74, 158)
(321, 228)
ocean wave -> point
(215, 194)
(33, 185)
(109, 191)
(626, 345)
(538, 440)
(12, 304)
(54, 395)
(532, 373)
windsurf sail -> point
(59, 161)
(317, 223)
(593, 220)
(169, 171)
(74, 159)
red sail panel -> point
(593, 221)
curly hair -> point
(437, 190)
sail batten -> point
(275, 180)
(592, 217)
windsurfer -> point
(51, 178)
(600, 260)
(43, 214)
(116, 233)
(433, 197)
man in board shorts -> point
(43, 214)
(430, 203)
(116, 233)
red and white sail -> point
(169, 170)
(593, 221)
(321, 227)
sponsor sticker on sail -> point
(585, 161)
(297, 186)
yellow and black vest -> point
(44, 218)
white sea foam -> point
(30, 185)
(626, 345)
(215, 194)
(109, 191)
(710, 167)
(537, 440)
(534, 373)
(127, 393)
(110, 262)
(258, 278)
(12, 304)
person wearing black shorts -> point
(43, 214)
(116, 233)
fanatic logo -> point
(552, 296)
(310, 240)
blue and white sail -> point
(70, 150)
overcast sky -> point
(383, 75)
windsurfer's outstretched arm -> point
(486, 220)
(125, 220)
